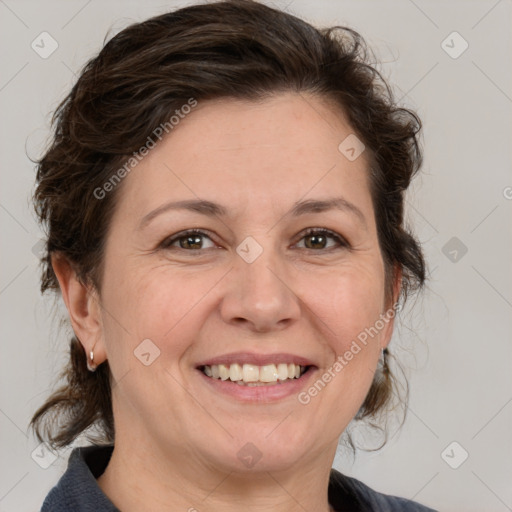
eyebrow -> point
(194, 205)
(211, 209)
(319, 206)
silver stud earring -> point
(90, 361)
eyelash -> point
(167, 243)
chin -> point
(261, 449)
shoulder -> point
(345, 490)
(78, 489)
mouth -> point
(257, 378)
(252, 375)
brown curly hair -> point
(229, 49)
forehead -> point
(251, 155)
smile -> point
(253, 375)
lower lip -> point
(266, 393)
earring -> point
(90, 361)
(383, 363)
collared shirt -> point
(78, 490)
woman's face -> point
(253, 288)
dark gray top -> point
(78, 491)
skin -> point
(176, 439)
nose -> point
(259, 295)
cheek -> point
(354, 301)
(351, 312)
(349, 303)
(153, 319)
(157, 303)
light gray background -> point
(456, 342)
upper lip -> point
(256, 359)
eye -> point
(191, 239)
(314, 239)
(318, 238)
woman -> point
(224, 201)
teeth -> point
(282, 371)
(268, 373)
(223, 372)
(252, 375)
(235, 372)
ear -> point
(82, 303)
(391, 309)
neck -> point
(140, 478)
